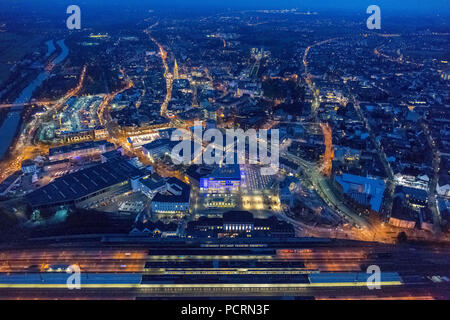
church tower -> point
(175, 71)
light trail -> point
(327, 160)
(167, 75)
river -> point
(10, 126)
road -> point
(167, 75)
(434, 179)
(321, 186)
(390, 186)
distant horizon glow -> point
(441, 7)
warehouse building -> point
(87, 187)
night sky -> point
(406, 6)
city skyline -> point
(288, 150)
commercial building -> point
(28, 166)
(239, 224)
(365, 191)
(223, 179)
(83, 149)
(157, 148)
(56, 165)
(416, 198)
(87, 187)
(175, 202)
(195, 172)
(149, 185)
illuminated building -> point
(195, 172)
(239, 224)
(157, 148)
(83, 149)
(87, 187)
(417, 198)
(100, 132)
(238, 221)
(175, 202)
(220, 202)
(149, 185)
(443, 190)
(28, 166)
(223, 179)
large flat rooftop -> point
(79, 184)
(78, 146)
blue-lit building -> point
(28, 166)
(223, 179)
(365, 191)
(174, 202)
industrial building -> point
(87, 187)
(10, 182)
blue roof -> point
(374, 188)
(231, 171)
(61, 278)
(351, 277)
